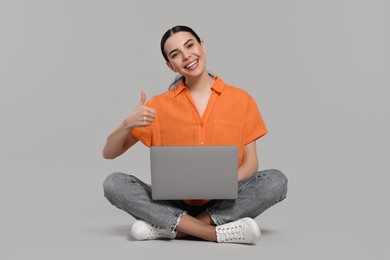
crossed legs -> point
(256, 194)
(201, 226)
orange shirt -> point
(231, 117)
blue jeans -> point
(255, 194)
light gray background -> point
(72, 70)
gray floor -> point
(48, 215)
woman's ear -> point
(170, 66)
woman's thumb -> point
(142, 99)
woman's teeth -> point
(191, 64)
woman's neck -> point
(200, 84)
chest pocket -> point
(227, 132)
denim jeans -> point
(255, 194)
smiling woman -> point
(191, 42)
(199, 110)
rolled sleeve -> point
(254, 126)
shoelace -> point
(157, 232)
(230, 233)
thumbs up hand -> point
(142, 100)
(142, 115)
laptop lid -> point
(194, 172)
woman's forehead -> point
(177, 40)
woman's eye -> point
(190, 45)
(173, 55)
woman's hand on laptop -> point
(142, 115)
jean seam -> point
(272, 204)
(176, 214)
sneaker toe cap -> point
(139, 230)
(253, 232)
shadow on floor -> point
(124, 231)
(119, 230)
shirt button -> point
(201, 124)
(202, 143)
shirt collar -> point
(179, 88)
(218, 86)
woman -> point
(200, 110)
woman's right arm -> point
(121, 140)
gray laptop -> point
(194, 172)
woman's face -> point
(185, 54)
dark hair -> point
(169, 33)
(173, 30)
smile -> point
(192, 65)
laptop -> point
(194, 172)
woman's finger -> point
(149, 114)
(142, 99)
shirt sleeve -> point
(254, 126)
(144, 134)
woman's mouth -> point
(193, 65)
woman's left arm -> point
(250, 164)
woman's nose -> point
(186, 56)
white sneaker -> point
(142, 230)
(245, 231)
